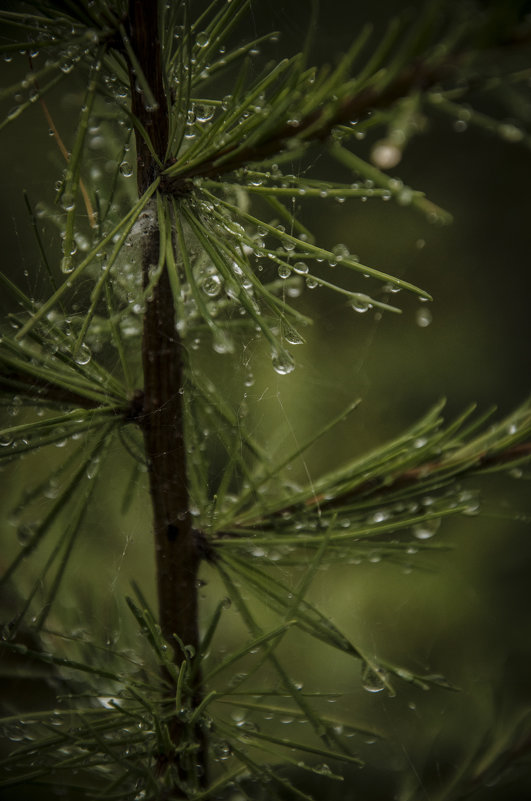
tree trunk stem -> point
(161, 420)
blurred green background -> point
(464, 612)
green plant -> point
(206, 254)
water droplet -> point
(426, 529)
(423, 318)
(284, 271)
(221, 750)
(204, 113)
(83, 355)
(361, 303)
(126, 169)
(472, 509)
(202, 39)
(405, 196)
(67, 201)
(221, 341)
(385, 154)
(211, 285)
(292, 336)
(67, 265)
(283, 362)
(294, 291)
(340, 252)
(92, 468)
(373, 678)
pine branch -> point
(382, 486)
(420, 75)
(427, 458)
(44, 392)
(319, 123)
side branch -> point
(416, 475)
(317, 125)
(40, 391)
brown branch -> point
(384, 485)
(419, 76)
(162, 425)
(177, 550)
(415, 475)
(144, 34)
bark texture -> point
(161, 414)
(177, 555)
